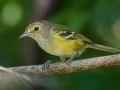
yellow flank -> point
(63, 47)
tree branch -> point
(75, 66)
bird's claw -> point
(68, 62)
(46, 64)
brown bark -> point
(75, 66)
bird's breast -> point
(61, 47)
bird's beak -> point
(24, 35)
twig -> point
(75, 66)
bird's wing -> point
(62, 32)
(66, 33)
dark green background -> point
(98, 20)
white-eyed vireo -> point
(59, 40)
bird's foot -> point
(46, 64)
(68, 62)
(71, 58)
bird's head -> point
(34, 29)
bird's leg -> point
(75, 55)
(46, 64)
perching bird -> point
(59, 40)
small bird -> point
(59, 40)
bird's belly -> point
(62, 47)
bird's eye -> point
(36, 28)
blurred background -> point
(98, 20)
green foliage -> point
(72, 17)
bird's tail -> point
(103, 48)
